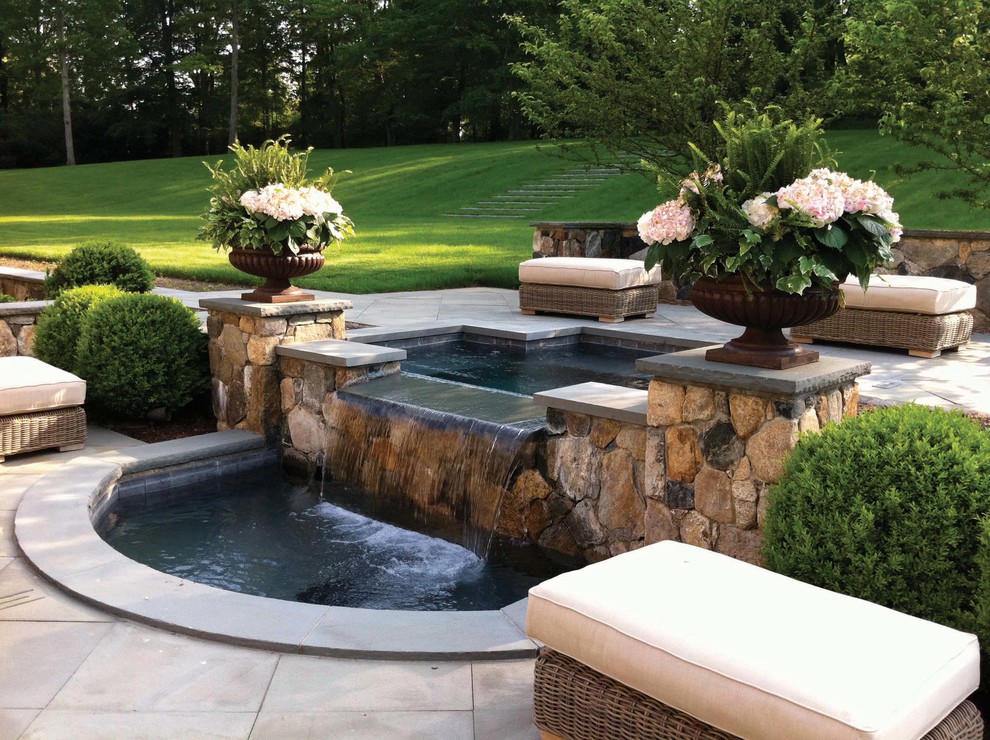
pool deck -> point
(69, 670)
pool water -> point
(269, 538)
(526, 373)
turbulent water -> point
(287, 543)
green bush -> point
(889, 507)
(140, 352)
(56, 337)
(4, 298)
(101, 263)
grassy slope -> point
(396, 198)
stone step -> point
(480, 215)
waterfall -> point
(440, 465)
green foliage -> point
(922, 66)
(230, 225)
(59, 327)
(758, 155)
(648, 78)
(140, 352)
(890, 507)
(4, 298)
(101, 263)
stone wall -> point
(959, 255)
(587, 494)
(24, 285)
(243, 362)
(17, 325)
(713, 452)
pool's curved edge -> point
(53, 526)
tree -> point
(924, 65)
(644, 77)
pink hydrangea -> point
(668, 222)
(759, 212)
(817, 195)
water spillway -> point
(444, 450)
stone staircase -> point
(529, 199)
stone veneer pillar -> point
(718, 435)
(243, 363)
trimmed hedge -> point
(890, 507)
(140, 352)
(56, 337)
(101, 263)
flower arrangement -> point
(267, 202)
(771, 209)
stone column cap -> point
(690, 367)
(274, 310)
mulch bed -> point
(197, 418)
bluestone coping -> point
(273, 310)
(54, 528)
(32, 276)
(19, 308)
(341, 353)
(690, 366)
(598, 399)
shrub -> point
(888, 507)
(101, 264)
(140, 352)
(4, 298)
(56, 337)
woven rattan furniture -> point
(920, 314)
(574, 702)
(674, 641)
(611, 290)
(40, 407)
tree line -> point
(99, 80)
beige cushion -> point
(28, 385)
(752, 652)
(587, 272)
(911, 294)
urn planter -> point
(277, 269)
(764, 312)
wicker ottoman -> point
(673, 641)
(923, 315)
(40, 407)
(609, 289)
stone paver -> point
(68, 670)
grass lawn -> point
(396, 197)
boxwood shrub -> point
(4, 298)
(56, 337)
(890, 506)
(101, 263)
(140, 352)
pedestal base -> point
(293, 295)
(780, 358)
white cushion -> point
(28, 385)
(910, 294)
(587, 272)
(752, 652)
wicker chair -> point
(611, 290)
(40, 407)
(672, 641)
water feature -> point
(517, 369)
(269, 538)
